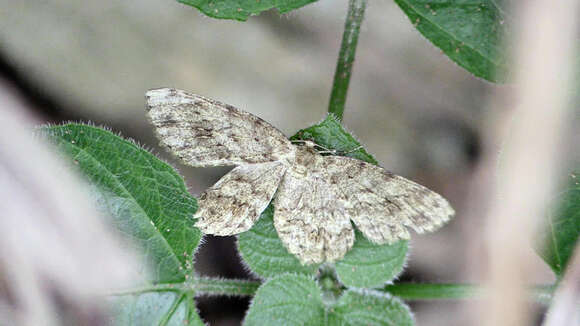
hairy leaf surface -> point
(242, 9)
(468, 32)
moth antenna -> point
(324, 150)
(353, 150)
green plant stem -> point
(200, 285)
(422, 291)
(170, 287)
(214, 286)
(354, 18)
(405, 291)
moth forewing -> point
(204, 132)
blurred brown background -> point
(415, 110)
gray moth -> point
(315, 197)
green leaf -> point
(242, 9)
(369, 308)
(331, 134)
(468, 32)
(563, 227)
(287, 300)
(265, 254)
(154, 308)
(297, 300)
(368, 265)
(146, 198)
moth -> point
(316, 198)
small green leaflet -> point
(367, 265)
(297, 300)
(331, 134)
(242, 9)
(468, 32)
(562, 227)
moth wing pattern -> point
(235, 202)
(204, 132)
(382, 205)
(315, 196)
(308, 216)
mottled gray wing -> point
(382, 204)
(309, 218)
(235, 202)
(204, 132)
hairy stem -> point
(215, 286)
(405, 291)
(426, 291)
(354, 18)
(200, 285)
